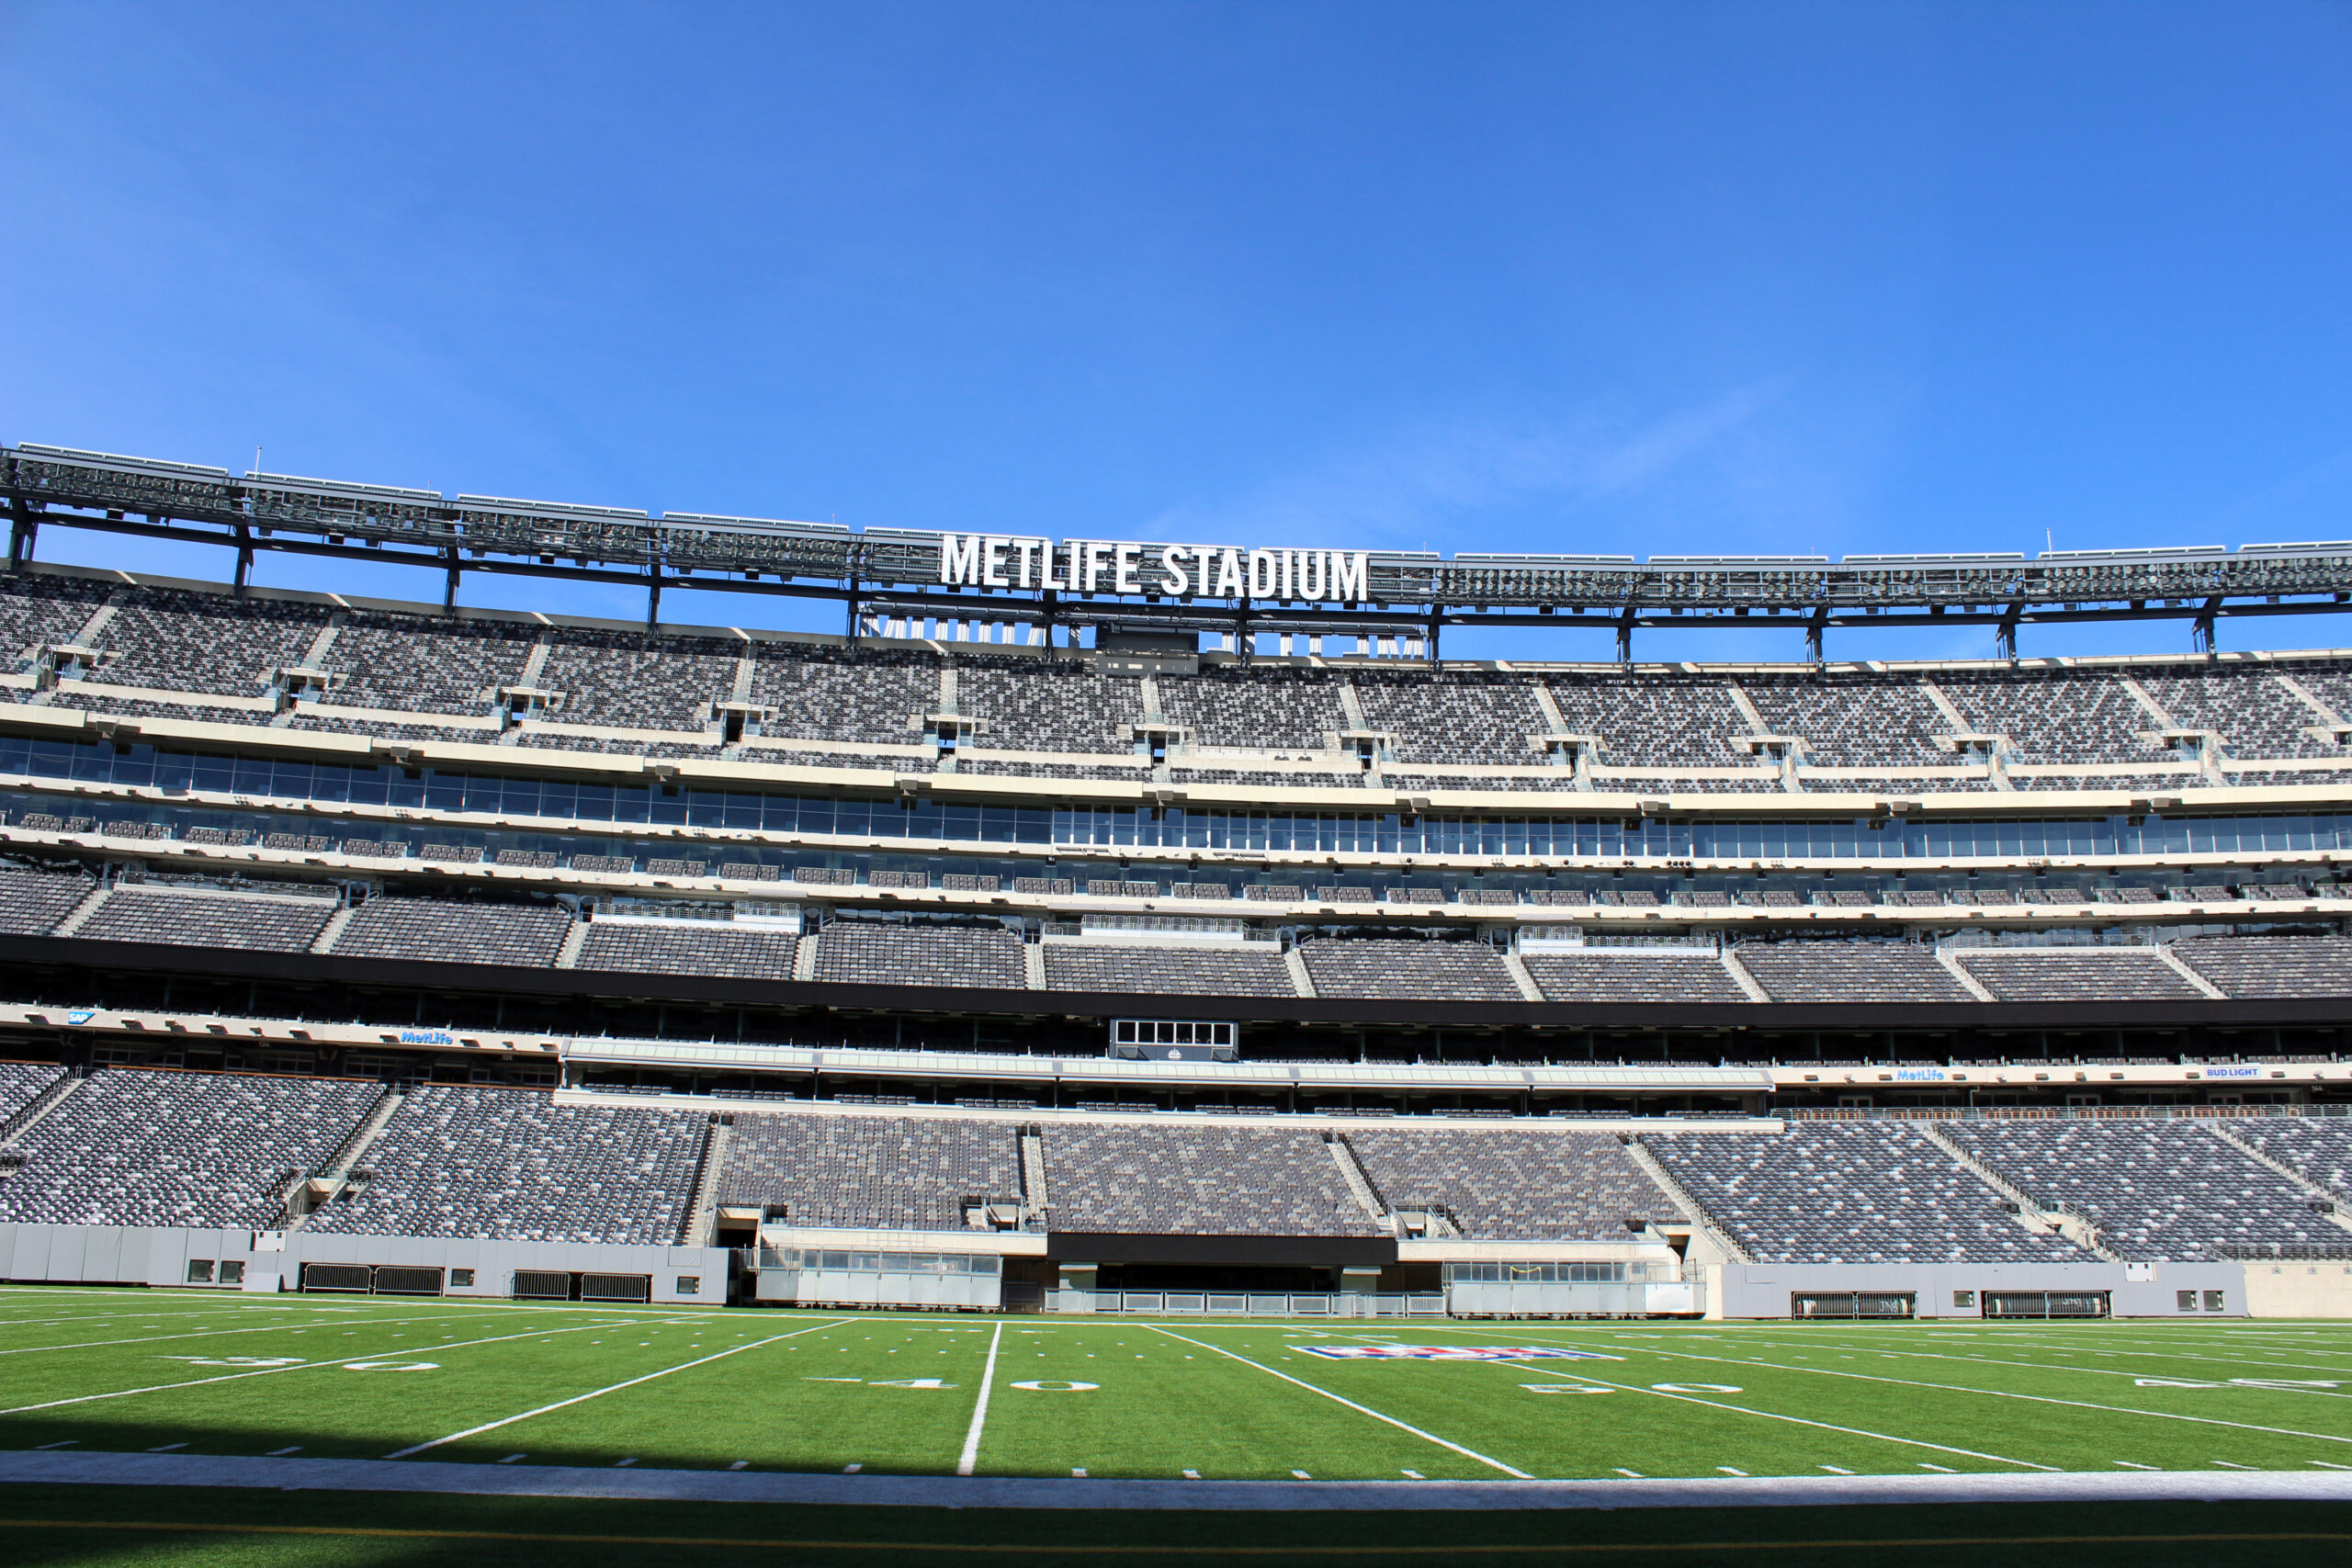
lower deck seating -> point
(1513, 1184)
(2318, 1149)
(1204, 1181)
(138, 1146)
(513, 1165)
(1850, 1192)
(870, 1172)
(21, 1083)
(2155, 1190)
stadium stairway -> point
(2074, 1227)
(2318, 1194)
(330, 1177)
(1692, 1210)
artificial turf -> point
(1161, 1398)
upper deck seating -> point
(1168, 971)
(820, 694)
(2076, 974)
(1228, 706)
(2271, 965)
(1465, 717)
(1390, 968)
(1048, 705)
(1627, 977)
(632, 681)
(527, 935)
(1849, 972)
(32, 902)
(921, 953)
(688, 947)
(261, 923)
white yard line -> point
(1361, 1409)
(305, 1367)
(1520, 1367)
(600, 1393)
(1989, 1394)
(971, 1454)
(2069, 1366)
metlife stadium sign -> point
(1174, 571)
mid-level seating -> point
(205, 642)
(446, 933)
(513, 1165)
(388, 661)
(822, 695)
(1204, 1181)
(1850, 1192)
(1278, 706)
(141, 1148)
(632, 681)
(1505, 1185)
(2076, 975)
(255, 921)
(688, 947)
(1652, 721)
(2272, 965)
(1382, 968)
(31, 902)
(2155, 1190)
(2057, 716)
(1632, 976)
(870, 1172)
(924, 954)
(1048, 705)
(1475, 716)
(1170, 971)
(1849, 972)
(1852, 723)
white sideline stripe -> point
(199, 1334)
(599, 1393)
(272, 1371)
(1999, 1394)
(971, 1454)
(1361, 1409)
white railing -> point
(1237, 1303)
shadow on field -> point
(100, 1526)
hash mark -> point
(1634, 1473)
(1415, 1475)
(1302, 1475)
(851, 1469)
(2226, 1464)
(66, 1444)
(623, 1463)
(2324, 1465)
(281, 1453)
(1938, 1469)
(2129, 1464)
(1079, 1474)
(1191, 1476)
(1729, 1470)
(741, 1464)
(510, 1459)
(1836, 1470)
(166, 1447)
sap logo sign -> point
(81, 1015)
(2233, 1072)
(427, 1037)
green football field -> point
(875, 1394)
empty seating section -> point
(1380, 968)
(205, 642)
(1633, 977)
(870, 1172)
(1474, 716)
(2060, 716)
(688, 947)
(1170, 971)
(820, 695)
(1520, 1185)
(2077, 974)
(2250, 709)
(133, 1147)
(440, 932)
(1848, 723)
(388, 660)
(2271, 965)
(36, 611)
(1206, 1180)
(2318, 1150)
(875, 954)
(257, 922)
(1048, 705)
(1850, 1192)
(1849, 972)
(1653, 720)
(633, 680)
(512, 1165)
(1228, 706)
(21, 1083)
(2154, 1190)
(31, 902)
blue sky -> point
(1670, 279)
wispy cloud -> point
(1426, 482)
